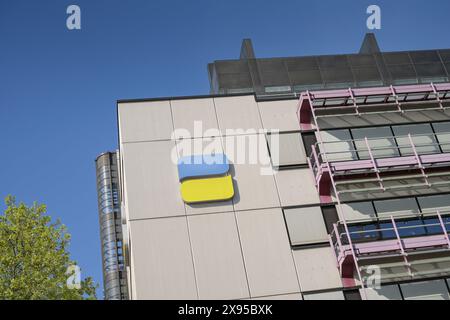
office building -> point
(356, 201)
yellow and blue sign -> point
(205, 178)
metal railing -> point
(361, 157)
(359, 147)
(388, 238)
(377, 100)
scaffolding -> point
(381, 166)
(390, 241)
(380, 100)
(332, 172)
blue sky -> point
(58, 87)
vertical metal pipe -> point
(114, 269)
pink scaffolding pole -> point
(341, 212)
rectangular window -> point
(365, 232)
(433, 79)
(431, 204)
(373, 83)
(396, 207)
(352, 294)
(379, 139)
(309, 140)
(330, 217)
(277, 89)
(426, 290)
(338, 145)
(422, 135)
(404, 81)
(358, 211)
(301, 88)
(442, 130)
(339, 85)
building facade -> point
(339, 191)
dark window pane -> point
(309, 139)
(352, 295)
(330, 216)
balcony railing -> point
(314, 105)
(426, 234)
(380, 168)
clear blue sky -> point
(58, 88)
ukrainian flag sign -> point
(205, 178)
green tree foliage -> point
(33, 256)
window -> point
(305, 225)
(442, 130)
(389, 292)
(277, 89)
(301, 88)
(330, 216)
(291, 150)
(358, 210)
(403, 210)
(339, 85)
(372, 83)
(352, 295)
(426, 290)
(338, 145)
(433, 79)
(396, 207)
(411, 228)
(365, 232)
(430, 204)
(404, 81)
(422, 135)
(380, 140)
(309, 140)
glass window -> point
(422, 136)
(330, 216)
(389, 292)
(309, 140)
(338, 145)
(387, 230)
(410, 228)
(290, 149)
(396, 207)
(301, 88)
(373, 83)
(404, 81)
(277, 89)
(339, 85)
(380, 140)
(433, 226)
(364, 232)
(433, 79)
(305, 225)
(352, 295)
(442, 130)
(358, 211)
(426, 290)
(431, 204)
